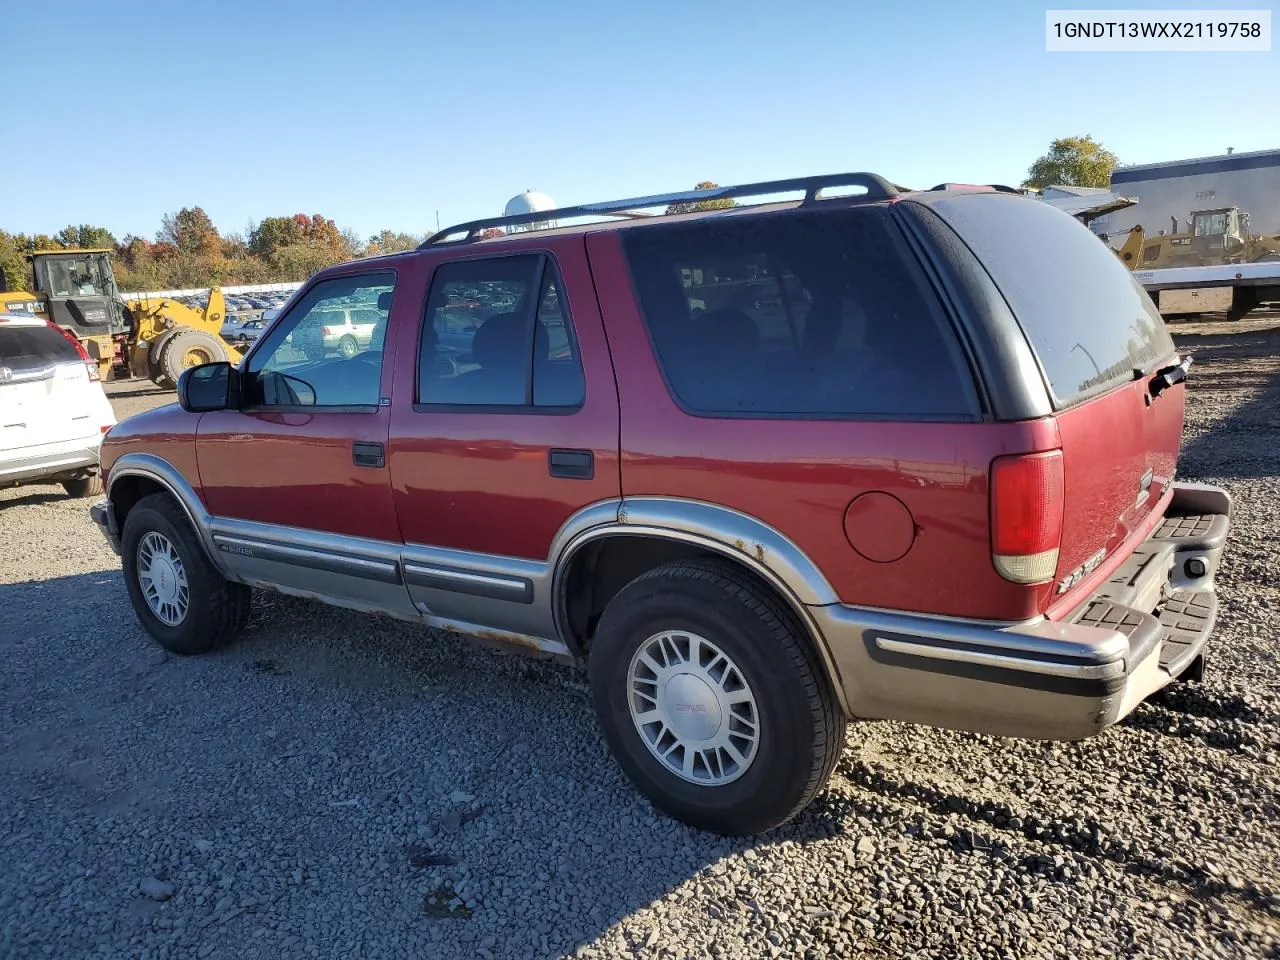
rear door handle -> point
(572, 464)
(368, 455)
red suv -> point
(899, 454)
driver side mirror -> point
(209, 387)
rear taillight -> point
(1026, 516)
(84, 354)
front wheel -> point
(181, 600)
(712, 699)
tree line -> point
(188, 250)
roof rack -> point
(998, 187)
(876, 186)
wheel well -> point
(599, 570)
(128, 490)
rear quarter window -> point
(1090, 324)
(26, 348)
(809, 315)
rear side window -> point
(496, 334)
(798, 315)
(25, 349)
(1089, 322)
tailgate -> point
(1120, 451)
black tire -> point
(173, 357)
(217, 609)
(90, 486)
(800, 722)
(348, 346)
(154, 372)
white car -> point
(53, 410)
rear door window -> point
(797, 315)
(496, 334)
(25, 350)
(1089, 322)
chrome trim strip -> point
(1039, 639)
(346, 565)
(495, 587)
(923, 648)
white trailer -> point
(1233, 288)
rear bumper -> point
(103, 513)
(52, 460)
(1049, 679)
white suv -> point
(53, 411)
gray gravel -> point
(336, 786)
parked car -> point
(247, 332)
(53, 411)
(915, 459)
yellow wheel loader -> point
(1210, 238)
(166, 336)
(157, 339)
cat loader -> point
(156, 339)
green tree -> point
(700, 205)
(13, 262)
(86, 237)
(298, 261)
(190, 230)
(1072, 162)
(271, 234)
(388, 241)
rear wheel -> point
(712, 700)
(348, 346)
(89, 486)
(181, 600)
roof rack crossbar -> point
(876, 188)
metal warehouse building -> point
(1250, 181)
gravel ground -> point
(336, 786)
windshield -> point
(84, 276)
(1211, 224)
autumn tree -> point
(700, 205)
(189, 252)
(191, 231)
(1072, 162)
(490, 233)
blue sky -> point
(380, 114)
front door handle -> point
(368, 455)
(572, 464)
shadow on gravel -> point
(1087, 837)
(1235, 445)
(33, 499)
